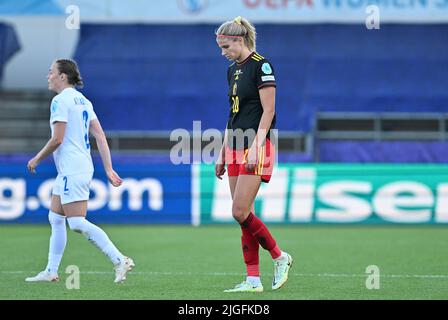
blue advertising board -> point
(150, 193)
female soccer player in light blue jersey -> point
(72, 119)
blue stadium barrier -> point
(157, 193)
(383, 151)
(159, 77)
(154, 190)
(161, 193)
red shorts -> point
(236, 159)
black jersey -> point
(245, 79)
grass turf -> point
(183, 262)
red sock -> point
(250, 248)
(262, 234)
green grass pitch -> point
(184, 262)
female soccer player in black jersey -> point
(247, 150)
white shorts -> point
(72, 188)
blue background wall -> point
(140, 76)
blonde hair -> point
(239, 27)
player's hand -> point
(32, 164)
(114, 178)
(220, 169)
(251, 160)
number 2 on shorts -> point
(65, 184)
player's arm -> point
(265, 80)
(97, 131)
(52, 144)
(224, 146)
(220, 168)
(267, 97)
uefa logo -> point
(192, 7)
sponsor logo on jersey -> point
(267, 78)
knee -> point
(76, 224)
(56, 219)
(239, 213)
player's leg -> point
(250, 248)
(58, 239)
(245, 193)
(76, 217)
(75, 209)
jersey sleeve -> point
(58, 110)
(92, 113)
(265, 74)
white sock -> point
(58, 241)
(283, 256)
(255, 281)
(96, 236)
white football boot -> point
(245, 287)
(281, 269)
(43, 276)
(122, 268)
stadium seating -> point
(158, 77)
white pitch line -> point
(319, 275)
